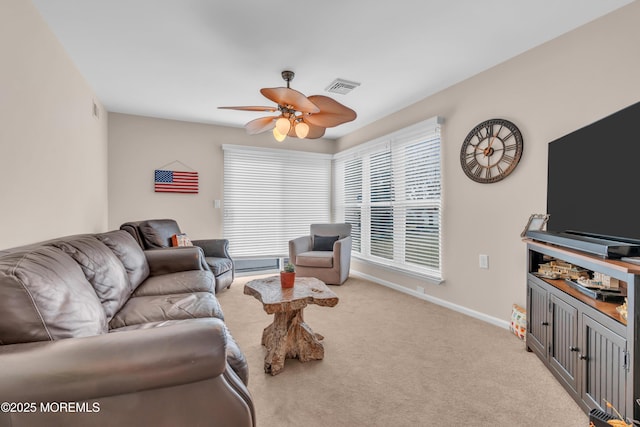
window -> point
(389, 190)
(272, 196)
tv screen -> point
(593, 182)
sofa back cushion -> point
(157, 233)
(44, 295)
(130, 254)
(102, 268)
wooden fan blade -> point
(252, 108)
(260, 125)
(286, 96)
(331, 114)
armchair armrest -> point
(78, 369)
(298, 246)
(218, 248)
(172, 260)
(342, 250)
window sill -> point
(436, 280)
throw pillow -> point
(324, 243)
(180, 240)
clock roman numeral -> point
(510, 147)
(477, 171)
(472, 163)
(507, 159)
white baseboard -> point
(455, 307)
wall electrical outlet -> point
(484, 261)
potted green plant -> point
(288, 276)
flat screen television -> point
(593, 185)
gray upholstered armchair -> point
(325, 254)
(157, 233)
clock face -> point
(491, 151)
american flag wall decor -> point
(167, 181)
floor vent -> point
(341, 86)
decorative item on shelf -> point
(608, 282)
(622, 309)
(288, 276)
(537, 222)
(561, 270)
(175, 181)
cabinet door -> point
(563, 346)
(537, 322)
(605, 367)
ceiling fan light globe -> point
(283, 126)
(278, 136)
(302, 130)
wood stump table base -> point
(289, 337)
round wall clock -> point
(491, 151)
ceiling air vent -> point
(341, 86)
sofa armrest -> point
(172, 260)
(218, 248)
(79, 369)
(298, 246)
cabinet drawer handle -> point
(582, 357)
(572, 348)
(544, 323)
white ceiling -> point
(181, 59)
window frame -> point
(397, 196)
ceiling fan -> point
(300, 116)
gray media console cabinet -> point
(587, 345)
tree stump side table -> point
(289, 337)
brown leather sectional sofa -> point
(96, 331)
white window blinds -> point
(389, 190)
(272, 196)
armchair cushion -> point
(322, 259)
(219, 265)
(324, 243)
(157, 233)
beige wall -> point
(53, 151)
(139, 145)
(548, 92)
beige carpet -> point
(394, 360)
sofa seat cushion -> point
(130, 254)
(315, 259)
(44, 296)
(177, 283)
(219, 265)
(158, 308)
(102, 269)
